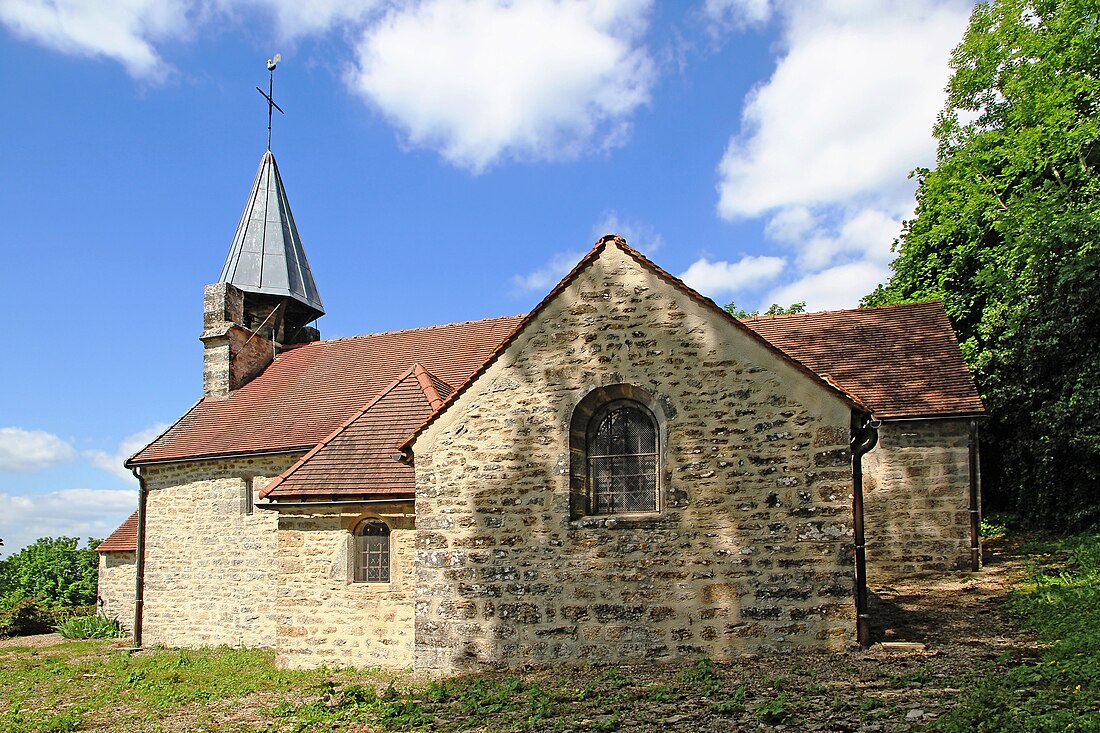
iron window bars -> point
(372, 553)
(622, 461)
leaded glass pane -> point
(622, 462)
(372, 554)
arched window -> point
(372, 552)
(622, 455)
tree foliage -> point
(774, 310)
(54, 571)
(1006, 234)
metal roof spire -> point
(267, 255)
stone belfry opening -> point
(265, 298)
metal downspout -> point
(864, 438)
(139, 560)
(975, 502)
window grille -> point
(372, 553)
(622, 461)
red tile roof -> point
(902, 360)
(309, 391)
(356, 459)
(123, 539)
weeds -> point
(732, 705)
(703, 675)
(773, 711)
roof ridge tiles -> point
(872, 309)
(415, 329)
(619, 242)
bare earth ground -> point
(960, 619)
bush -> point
(24, 617)
(54, 571)
(95, 626)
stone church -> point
(625, 473)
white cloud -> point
(724, 15)
(69, 513)
(123, 30)
(28, 450)
(639, 235)
(863, 233)
(849, 109)
(479, 81)
(827, 142)
(714, 278)
(128, 31)
(549, 275)
(484, 80)
(131, 444)
(299, 18)
(832, 288)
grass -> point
(1061, 690)
(69, 686)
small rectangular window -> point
(247, 502)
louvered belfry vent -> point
(622, 461)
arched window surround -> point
(586, 417)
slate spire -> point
(267, 256)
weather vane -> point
(271, 64)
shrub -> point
(24, 617)
(96, 626)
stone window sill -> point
(636, 520)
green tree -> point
(1006, 234)
(774, 310)
(53, 569)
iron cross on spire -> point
(271, 64)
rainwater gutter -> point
(139, 559)
(975, 500)
(864, 439)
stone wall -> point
(916, 498)
(116, 586)
(210, 566)
(752, 548)
(323, 617)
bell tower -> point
(265, 298)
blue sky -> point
(445, 160)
